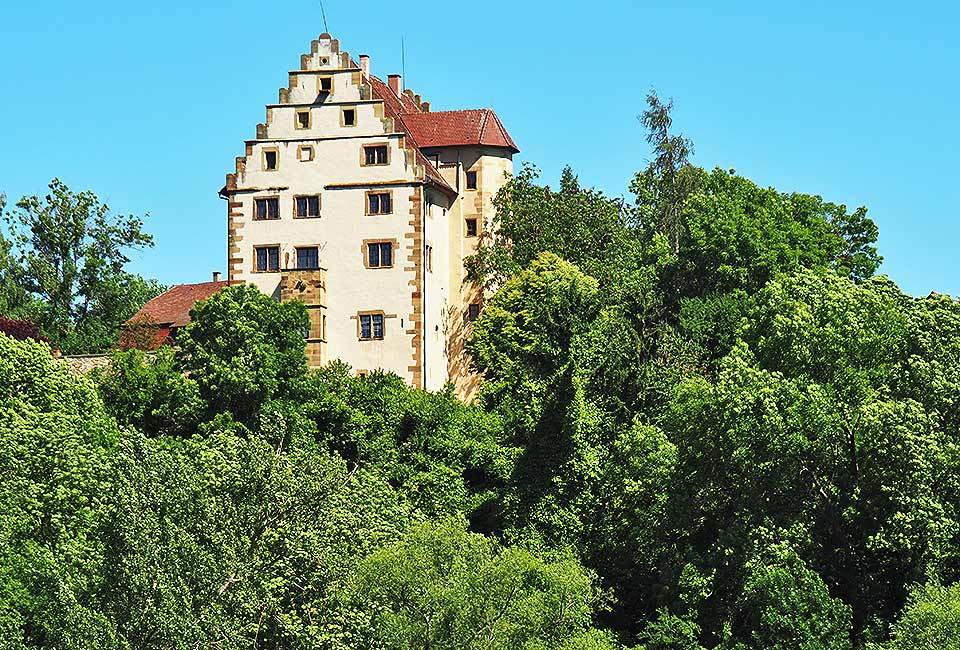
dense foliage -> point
(704, 422)
(63, 268)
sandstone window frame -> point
(373, 318)
(275, 198)
(307, 247)
(306, 197)
(298, 124)
(368, 204)
(264, 159)
(256, 258)
(328, 90)
(375, 145)
(394, 246)
(305, 148)
(472, 227)
(343, 117)
(472, 180)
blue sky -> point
(148, 104)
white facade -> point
(313, 145)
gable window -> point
(471, 180)
(473, 312)
(428, 258)
(308, 257)
(270, 160)
(307, 206)
(267, 208)
(471, 227)
(325, 84)
(371, 326)
(379, 254)
(379, 203)
(268, 258)
(348, 117)
(302, 120)
(377, 154)
(304, 153)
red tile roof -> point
(458, 128)
(172, 307)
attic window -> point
(270, 158)
(349, 117)
(324, 60)
(302, 120)
(325, 84)
(471, 180)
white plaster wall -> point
(437, 290)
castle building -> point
(358, 200)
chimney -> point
(216, 276)
(425, 106)
(365, 65)
(394, 81)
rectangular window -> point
(379, 203)
(267, 208)
(307, 206)
(308, 258)
(471, 180)
(302, 120)
(473, 312)
(428, 258)
(270, 160)
(375, 154)
(325, 84)
(471, 227)
(379, 255)
(268, 258)
(371, 326)
(304, 153)
(349, 116)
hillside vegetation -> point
(705, 423)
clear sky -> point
(148, 103)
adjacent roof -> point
(458, 128)
(172, 308)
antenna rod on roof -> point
(403, 67)
(324, 14)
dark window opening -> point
(267, 209)
(471, 227)
(428, 258)
(376, 155)
(268, 258)
(303, 119)
(380, 203)
(471, 180)
(326, 84)
(380, 254)
(270, 160)
(349, 117)
(308, 206)
(473, 312)
(308, 258)
(371, 326)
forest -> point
(706, 421)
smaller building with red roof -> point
(158, 321)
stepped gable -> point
(397, 108)
(172, 307)
(458, 128)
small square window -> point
(307, 206)
(308, 258)
(471, 180)
(471, 227)
(270, 159)
(379, 203)
(325, 84)
(371, 326)
(302, 120)
(305, 153)
(473, 312)
(266, 208)
(375, 155)
(349, 116)
(379, 255)
(268, 259)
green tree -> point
(71, 256)
(930, 620)
(242, 348)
